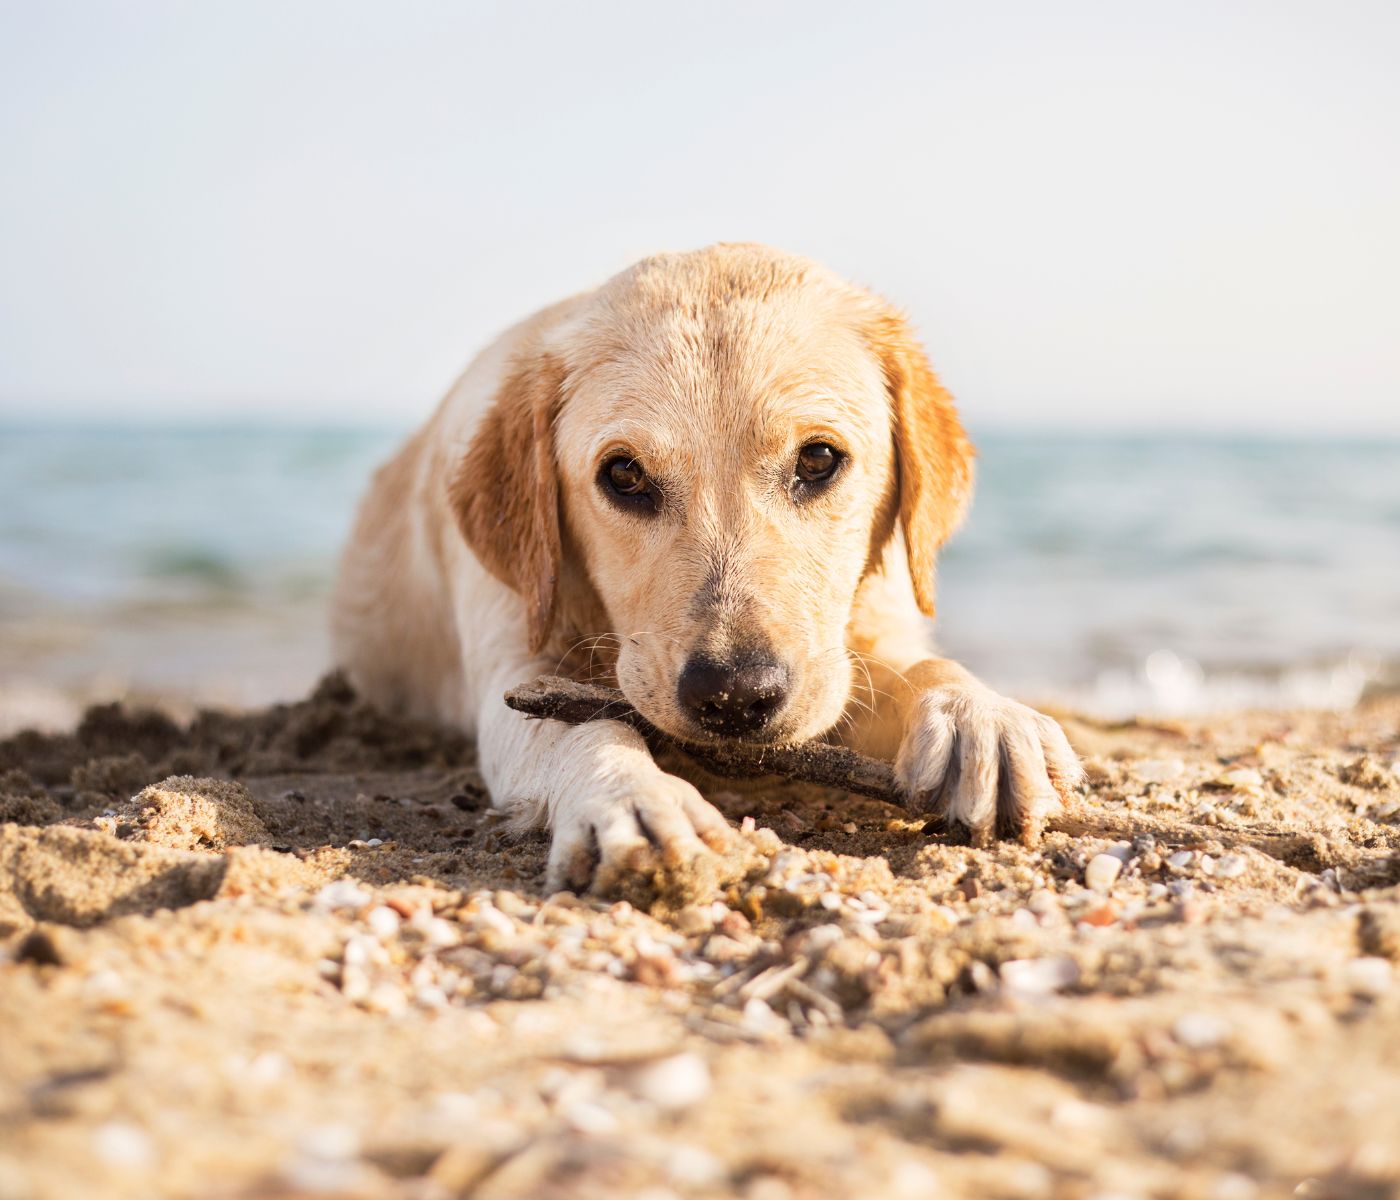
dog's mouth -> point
(682, 728)
(697, 735)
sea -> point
(1148, 574)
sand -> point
(295, 954)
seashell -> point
(1039, 976)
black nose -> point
(732, 698)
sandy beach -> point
(783, 368)
(292, 953)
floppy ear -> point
(505, 491)
(933, 455)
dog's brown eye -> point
(625, 480)
(817, 462)
(627, 477)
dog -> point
(721, 479)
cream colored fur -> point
(488, 552)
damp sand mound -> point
(293, 953)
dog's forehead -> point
(727, 363)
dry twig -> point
(812, 762)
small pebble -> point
(1181, 860)
(674, 1083)
(343, 893)
(325, 1161)
(1200, 1031)
(1023, 918)
(386, 998)
(585, 1116)
(440, 934)
(695, 919)
(695, 1169)
(914, 1180)
(1370, 977)
(383, 922)
(1159, 770)
(1192, 912)
(1240, 777)
(734, 924)
(360, 951)
(819, 939)
(329, 1142)
(1103, 871)
(760, 1019)
(354, 984)
(1039, 976)
(122, 1144)
(721, 948)
(1234, 1187)
(487, 917)
(983, 978)
(309, 1176)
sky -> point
(1100, 216)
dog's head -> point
(718, 447)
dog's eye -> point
(817, 462)
(626, 477)
(627, 481)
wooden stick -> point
(566, 700)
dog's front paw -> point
(605, 835)
(984, 762)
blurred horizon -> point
(1115, 574)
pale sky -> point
(1099, 215)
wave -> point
(1166, 684)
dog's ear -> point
(505, 491)
(933, 456)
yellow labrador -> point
(723, 478)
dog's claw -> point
(975, 759)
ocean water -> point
(1120, 574)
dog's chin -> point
(778, 735)
(785, 731)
